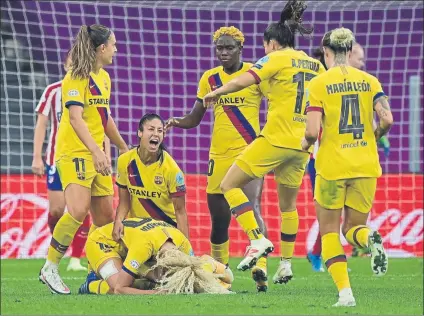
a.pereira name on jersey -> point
(98, 101)
(235, 100)
(305, 64)
(144, 193)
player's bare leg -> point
(253, 191)
(242, 209)
(78, 200)
(333, 253)
(220, 218)
(289, 226)
(102, 210)
(358, 234)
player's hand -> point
(38, 166)
(170, 123)
(305, 145)
(385, 144)
(101, 163)
(210, 99)
(118, 230)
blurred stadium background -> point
(163, 48)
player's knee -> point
(56, 210)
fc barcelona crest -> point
(106, 87)
(158, 180)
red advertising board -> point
(397, 214)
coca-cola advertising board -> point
(397, 213)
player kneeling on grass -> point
(151, 257)
(343, 100)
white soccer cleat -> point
(284, 272)
(258, 248)
(346, 299)
(379, 258)
(75, 265)
(49, 275)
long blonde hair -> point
(83, 51)
(183, 274)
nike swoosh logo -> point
(91, 87)
(132, 175)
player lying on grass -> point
(343, 101)
(150, 182)
(288, 72)
(151, 257)
(236, 125)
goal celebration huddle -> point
(320, 118)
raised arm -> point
(189, 120)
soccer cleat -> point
(257, 249)
(75, 265)
(284, 272)
(346, 299)
(49, 275)
(261, 279)
(379, 259)
(315, 261)
(84, 287)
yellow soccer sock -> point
(92, 229)
(335, 260)
(358, 236)
(262, 263)
(221, 252)
(289, 227)
(63, 234)
(98, 287)
(242, 209)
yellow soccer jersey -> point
(93, 95)
(151, 187)
(288, 72)
(348, 148)
(142, 239)
(236, 115)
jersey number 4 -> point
(300, 78)
(350, 109)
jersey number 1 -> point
(300, 78)
(350, 108)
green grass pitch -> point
(399, 292)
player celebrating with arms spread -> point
(84, 168)
(236, 124)
(288, 72)
(150, 182)
(347, 163)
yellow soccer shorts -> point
(356, 193)
(260, 157)
(99, 250)
(81, 171)
(218, 167)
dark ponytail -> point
(290, 23)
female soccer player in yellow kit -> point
(288, 72)
(344, 100)
(150, 182)
(236, 125)
(83, 166)
(156, 251)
